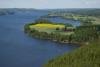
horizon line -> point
(46, 8)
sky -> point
(49, 4)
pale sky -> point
(49, 4)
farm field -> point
(49, 28)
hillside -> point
(86, 56)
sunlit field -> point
(48, 26)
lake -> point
(62, 20)
(19, 50)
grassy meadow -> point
(49, 28)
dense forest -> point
(85, 56)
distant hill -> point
(11, 11)
(90, 12)
(5, 11)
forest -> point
(88, 55)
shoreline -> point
(56, 41)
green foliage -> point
(56, 35)
(85, 33)
(57, 28)
(85, 56)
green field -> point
(49, 28)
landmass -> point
(88, 55)
(87, 35)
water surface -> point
(19, 50)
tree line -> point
(81, 34)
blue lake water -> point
(62, 20)
(19, 50)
